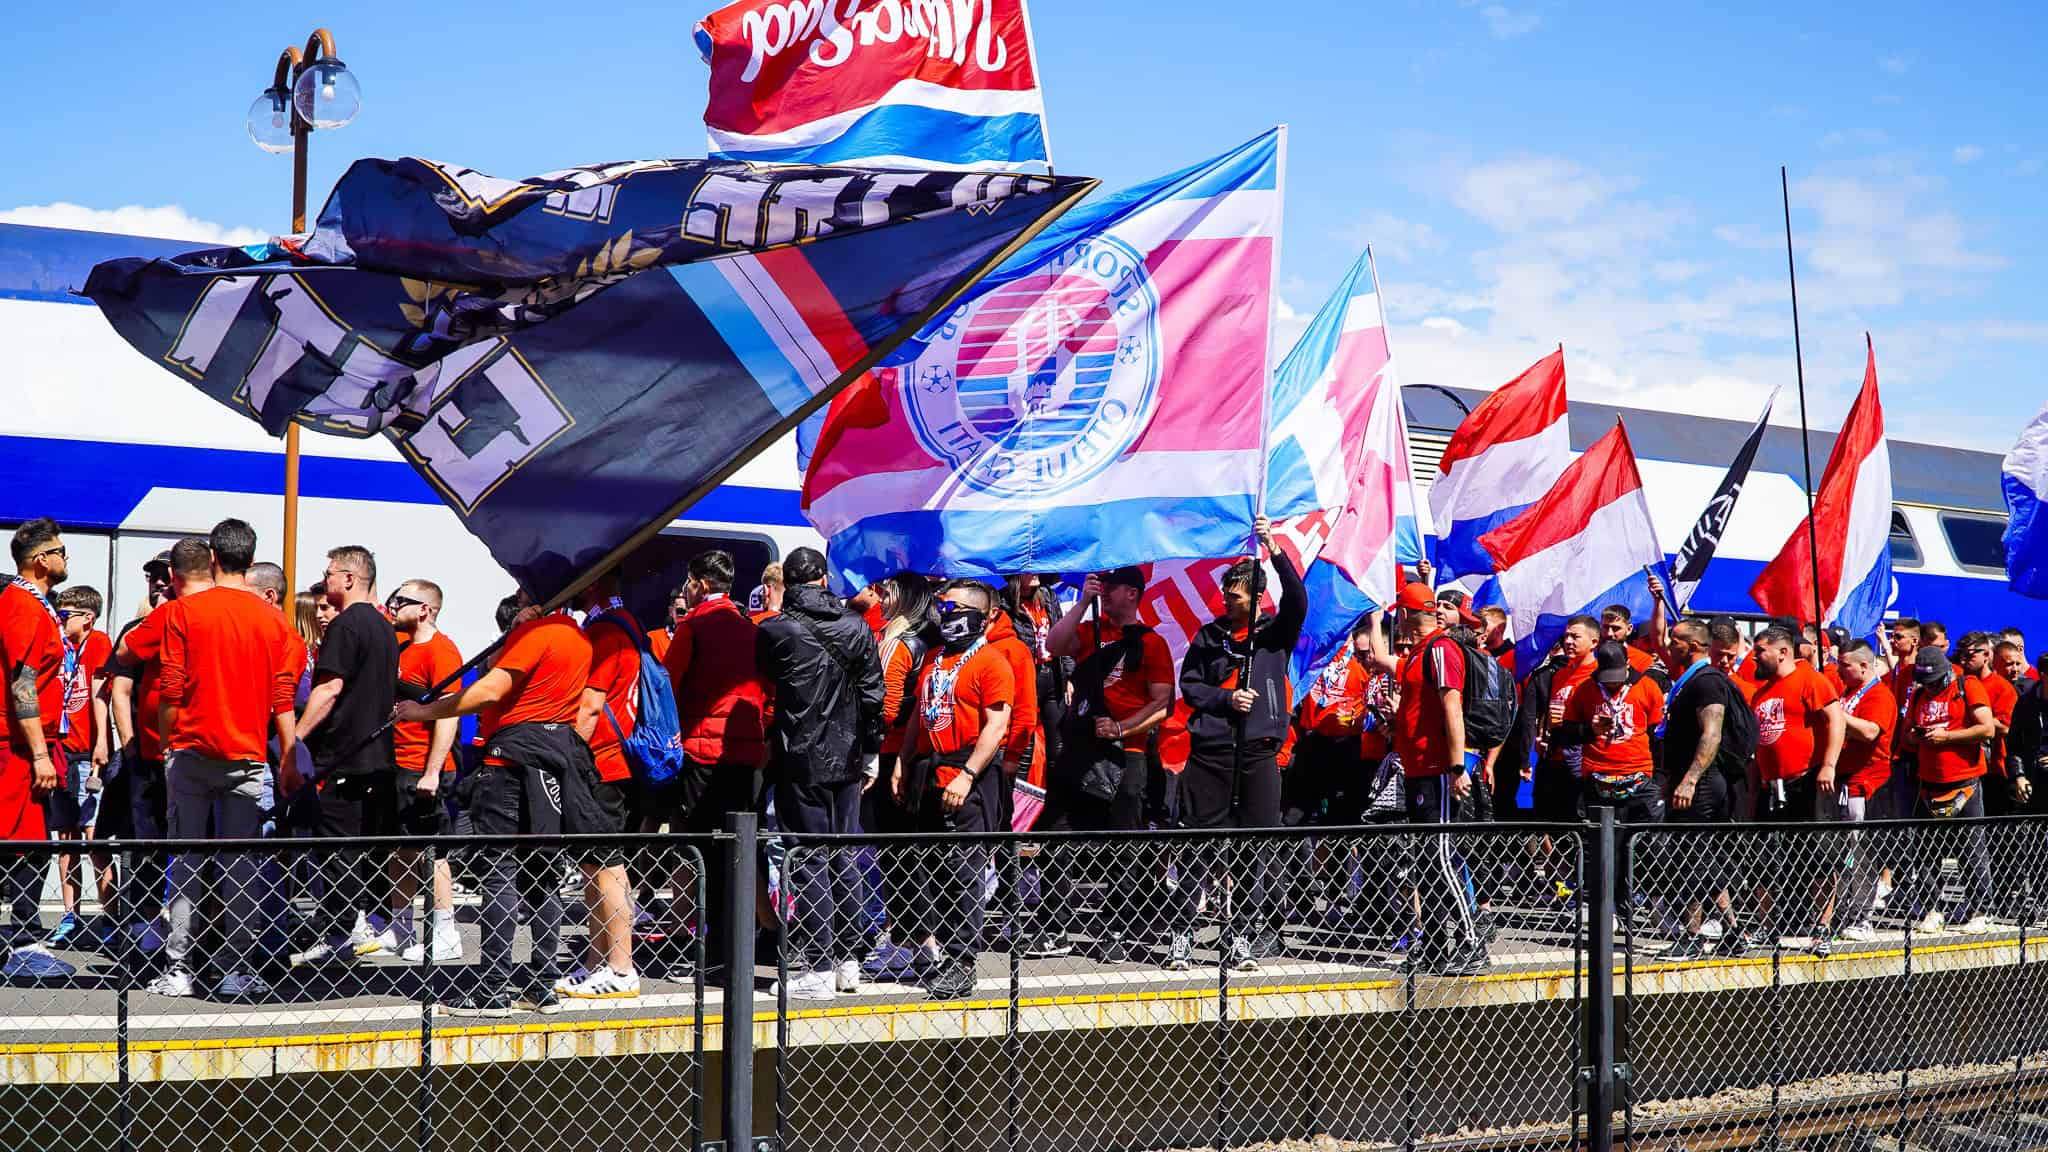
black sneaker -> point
(1691, 946)
(1487, 925)
(1739, 943)
(541, 1000)
(1472, 961)
(1112, 949)
(476, 1003)
(1180, 954)
(1047, 945)
(1267, 946)
(953, 981)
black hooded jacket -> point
(827, 676)
(1216, 653)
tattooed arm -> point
(21, 699)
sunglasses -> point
(57, 551)
(398, 603)
(68, 613)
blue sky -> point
(1601, 175)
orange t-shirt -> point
(950, 721)
(614, 671)
(1126, 698)
(2004, 698)
(29, 636)
(1866, 766)
(657, 643)
(1638, 660)
(421, 665)
(549, 659)
(1335, 704)
(1746, 686)
(1564, 684)
(92, 661)
(1941, 712)
(897, 669)
(1636, 709)
(1791, 722)
(227, 669)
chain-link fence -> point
(1375, 986)
(435, 993)
(1854, 982)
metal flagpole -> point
(1805, 444)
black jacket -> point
(1531, 712)
(827, 675)
(545, 757)
(2027, 739)
(1215, 653)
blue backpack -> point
(654, 750)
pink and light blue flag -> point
(1100, 402)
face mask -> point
(958, 626)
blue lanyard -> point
(1690, 671)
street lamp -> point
(311, 89)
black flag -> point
(1698, 550)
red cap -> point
(1416, 598)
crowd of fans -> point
(232, 707)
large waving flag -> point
(1697, 552)
(1852, 520)
(909, 85)
(574, 359)
(1502, 459)
(1339, 459)
(1581, 547)
(1099, 402)
(2024, 477)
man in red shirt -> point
(1123, 688)
(1975, 650)
(965, 693)
(72, 810)
(1610, 720)
(227, 685)
(1555, 786)
(1950, 725)
(1864, 774)
(423, 757)
(2010, 658)
(1429, 737)
(1798, 750)
(31, 766)
(610, 711)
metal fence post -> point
(130, 956)
(424, 1097)
(1599, 1075)
(1013, 1107)
(741, 852)
(1228, 886)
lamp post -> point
(311, 89)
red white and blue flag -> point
(1502, 459)
(1852, 517)
(898, 83)
(1582, 546)
(1099, 402)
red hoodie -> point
(721, 700)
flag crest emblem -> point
(1052, 376)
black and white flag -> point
(1698, 550)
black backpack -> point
(1738, 728)
(1488, 697)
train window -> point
(1977, 541)
(1905, 550)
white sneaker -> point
(385, 941)
(1932, 923)
(600, 983)
(174, 982)
(361, 934)
(1975, 926)
(243, 986)
(447, 949)
(817, 984)
(847, 976)
(1860, 932)
(325, 953)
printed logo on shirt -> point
(1770, 721)
(1622, 716)
(1934, 714)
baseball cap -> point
(1930, 666)
(161, 562)
(1463, 604)
(803, 566)
(1610, 661)
(1416, 597)
(1128, 576)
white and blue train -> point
(127, 458)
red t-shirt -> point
(1128, 697)
(145, 642)
(1419, 721)
(1335, 704)
(92, 661)
(1944, 711)
(227, 668)
(1865, 767)
(1791, 723)
(1636, 709)
(550, 659)
(421, 665)
(28, 635)
(951, 721)
(614, 671)
(2004, 698)
(1564, 684)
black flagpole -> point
(1805, 444)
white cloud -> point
(1288, 324)
(168, 221)
(1391, 236)
(1895, 65)
(1967, 154)
(1504, 23)
(1514, 195)
(1880, 236)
